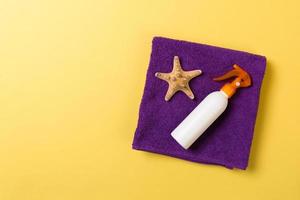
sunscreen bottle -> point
(211, 107)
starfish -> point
(178, 79)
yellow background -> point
(71, 79)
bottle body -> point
(193, 126)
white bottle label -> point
(193, 126)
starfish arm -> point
(193, 74)
(171, 91)
(176, 64)
(162, 76)
(187, 90)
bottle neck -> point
(222, 92)
(230, 88)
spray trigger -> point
(242, 79)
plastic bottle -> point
(212, 106)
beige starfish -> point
(178, 79)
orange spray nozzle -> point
(242, 79)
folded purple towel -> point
(228, 140)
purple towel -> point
(228, 140)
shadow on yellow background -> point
(262, 116)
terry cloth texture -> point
(227, 141)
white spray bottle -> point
(212, 106)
